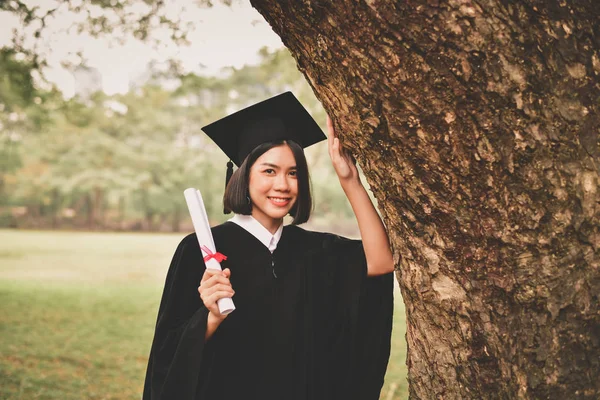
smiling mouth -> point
(280, 201)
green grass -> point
(78, 312)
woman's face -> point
(273, 186)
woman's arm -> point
(373, 234)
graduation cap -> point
(279, 118)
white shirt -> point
(256, 229)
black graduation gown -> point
(308, 324)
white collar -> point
(256, 229)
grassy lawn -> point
(78, 313)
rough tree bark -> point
(477, 125)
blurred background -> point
(101, 105)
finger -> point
(205, 297)
(227, 273)
(210, 301)
(330, 134)
(330, 145)
(330, 128)
(206, 288)
(345, 154)
(336, 145)
(220, 279)
(211, 272)
(213, 298)
(208, 273)
(217, 288)
(336, 151)
(215, 280)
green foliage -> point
(17, 89)
(24, 110)
(101, 17)
(122, 162)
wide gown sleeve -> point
(366, 306)
(178, 348)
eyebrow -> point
(275, 166)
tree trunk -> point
(121, 214)
(476, 124)
(176, 221)
(79, 204)
(91, 211)
(99, 213)
(149, 219)
(56, 209)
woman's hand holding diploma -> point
(214, 285)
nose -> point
(281, 183)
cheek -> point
(257, 184)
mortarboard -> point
(279, 118)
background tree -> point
(20, 110)
(477, 125)
(122, 161)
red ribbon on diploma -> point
(209, 254)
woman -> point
(313, 310)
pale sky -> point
(222, 36)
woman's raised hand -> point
(343, 162)
(215, 285)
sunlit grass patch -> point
(75, 341)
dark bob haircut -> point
(236, 193)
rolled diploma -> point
(197, 210)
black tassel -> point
(229, 173)
(227, 178)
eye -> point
(293, 173)
(269, 171)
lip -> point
(279, 201)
